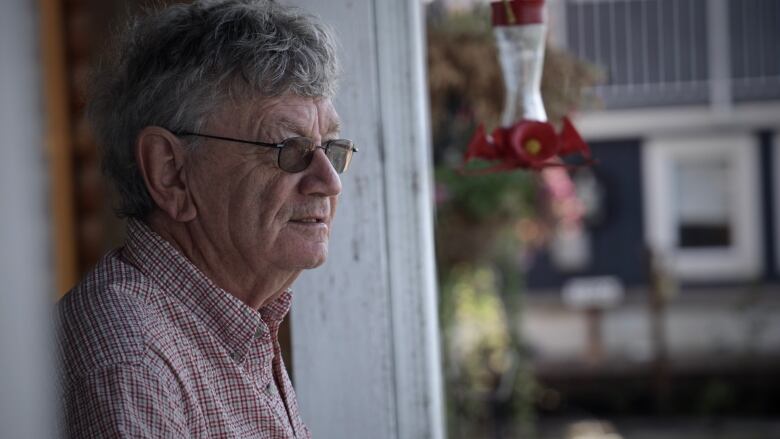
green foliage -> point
(477, 217)
(486, 197)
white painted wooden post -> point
(365, 327)
(27, 397)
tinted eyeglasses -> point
(296, 153)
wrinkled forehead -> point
(293, 114)
(305, 114)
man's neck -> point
(255, 286)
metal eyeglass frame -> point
(278, 146)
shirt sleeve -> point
(123, 401)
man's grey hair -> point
(176, 66)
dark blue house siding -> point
(767, 183)
(617, 241)
(755, 60)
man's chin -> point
(318, 260)
(308, 260)
(316, 264)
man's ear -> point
(160, 156)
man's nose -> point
(321, 178)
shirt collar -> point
(233, 322)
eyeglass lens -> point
(298, 152)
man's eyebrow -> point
(289, 125)
(335, 127)
(292, 126)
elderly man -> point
(221, 139)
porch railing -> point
(679, 52)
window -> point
(703, 205)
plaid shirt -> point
(152, 348)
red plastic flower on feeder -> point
(480, 146)
(533, 142)
(571, 141)
(528, 144)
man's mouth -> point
(314, 219)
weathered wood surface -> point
(365, 328)
(58, 144)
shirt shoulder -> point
(103, 321)
(125, 400)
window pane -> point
(703, 204)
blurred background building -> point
(682, 223)
(665, 304)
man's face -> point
(255, 216)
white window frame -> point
(743, 260)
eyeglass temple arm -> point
(229, 139)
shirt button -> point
(236, 356)
(271, 389)
(259, 333)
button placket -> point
(277, 405)
(259, 332)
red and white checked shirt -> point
(152, 348)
